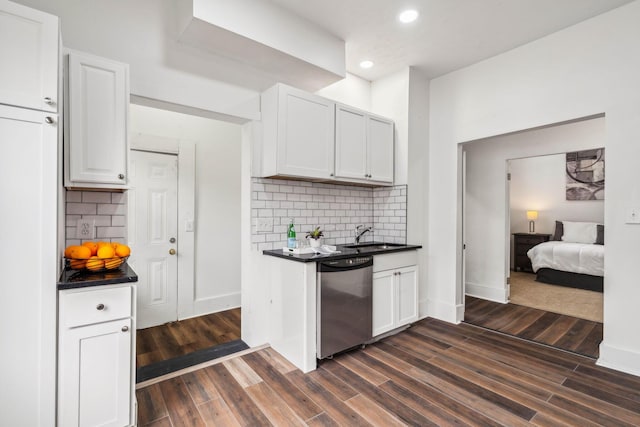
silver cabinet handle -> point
(331, 174)
(100, 307)
(48, 101)
(48, 120)
(121, 176)
(125, 328)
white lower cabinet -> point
(395, 296)
(95, 367)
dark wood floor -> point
(186, 336)
(434, 373)
(565, 332)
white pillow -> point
(580, 232)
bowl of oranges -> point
(96, 256)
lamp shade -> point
(532, 215)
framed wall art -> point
(585, 175)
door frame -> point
(186, 153)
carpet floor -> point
(557, 299)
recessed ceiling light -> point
(407, 16)
(366, 64)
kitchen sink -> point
(374, 246)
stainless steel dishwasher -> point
(345, 288)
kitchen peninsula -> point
(293, 284)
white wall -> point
(217, 217)
(583, 70)
(144, 34)
(538, 184)
(390, 98)
(352, 90)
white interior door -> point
(153, 232)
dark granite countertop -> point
(72, 279)
(369, 248)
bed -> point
(572, 259)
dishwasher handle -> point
(345, 264)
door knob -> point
(172, 251)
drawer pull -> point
(125, 328)
(100, 307)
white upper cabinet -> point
(351, 143)
(96, 140)
(364, 146)
(305, 136)
(29, 57)
(297, 136)
(380, 137)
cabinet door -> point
(98, 107)
(29, 52)
(384, 302)
(380, 149)
(28, 189)
(305, 134)
(95, 375)
(351, 143)
(407, 295)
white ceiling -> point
(448, 35)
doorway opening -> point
(504, 280)
(183, 226)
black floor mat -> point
(171, 365)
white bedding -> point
(581, 258)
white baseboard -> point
(443, 311)
(215, 304)
(490, 293)
(619, 359)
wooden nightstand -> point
(522, 242)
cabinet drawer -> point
(94, 306)
(394, 260)
(533, 240)
(523, 249)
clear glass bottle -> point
(291, 235)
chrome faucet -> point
(359, 233)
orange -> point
(91, 245)
(67, 251)
(106, 252)
(80, 252)
(123, 250)
(112, 263)
(95, 264)
(77, 264)
(114, 245)
(101, 244)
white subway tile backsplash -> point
(110, 232)
(104, 209)
(338, 209)
(96, 197)
(119, 198)
(74, 196)
(81, 208)
(108, 210)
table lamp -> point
(532, 216)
